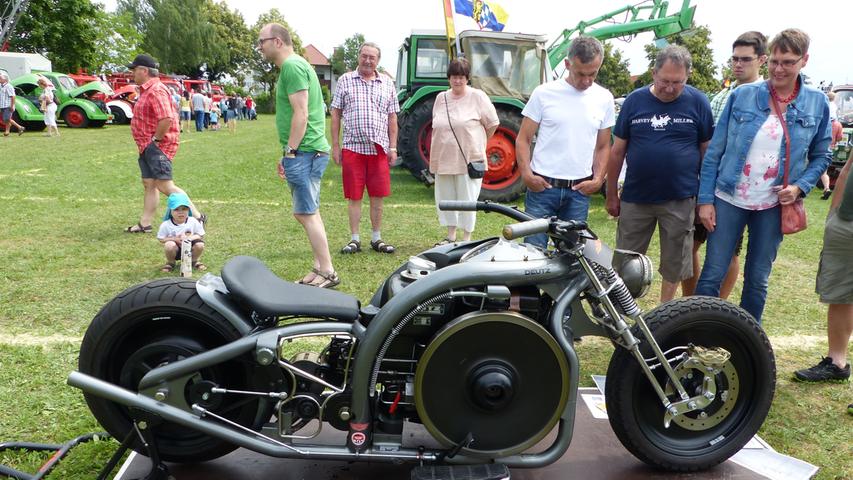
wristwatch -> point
(392, 149)
(289, 151)
(156, 140)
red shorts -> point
(371, 171)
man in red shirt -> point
(155, 130)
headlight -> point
(635, 270)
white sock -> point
(356, 237)
(376, 236)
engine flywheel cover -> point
(497, 375)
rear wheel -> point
(415, 137)
(744, 387)
(75, 117)
(502, 182)
(151, 325)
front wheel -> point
(75, 117)
(744, 386)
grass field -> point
(63, 255)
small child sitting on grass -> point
(180, 224)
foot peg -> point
(491, 471)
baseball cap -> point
(144, 60)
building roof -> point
(315, 57)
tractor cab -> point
(505, 64)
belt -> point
(562, 183)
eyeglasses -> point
(670, 83)
(735, 60)
(786, 64)
(262, 40)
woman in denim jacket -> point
(741, 177)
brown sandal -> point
(167, 268)
(139, 228)
(199, 266)
(305, 280)
(325, 279)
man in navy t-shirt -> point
(662, 132)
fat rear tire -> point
(635, 411)
(510, 186)
(414, 132)
(151, 324)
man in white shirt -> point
(572, 118)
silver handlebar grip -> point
(523, 229)
(460, 205)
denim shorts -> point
(153, 163)
(185, 115)
(304, 172)
(6, 113)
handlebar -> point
(486, 206)
(524, 229)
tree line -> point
(205, 37)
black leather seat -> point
(250, 281)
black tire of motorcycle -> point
(629, 394)
(127, 323)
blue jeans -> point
(304, 172)
(199, 120)
(565, 203)
(765, 236)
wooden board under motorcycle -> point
(472, 340)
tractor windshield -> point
(505, 67)
(844, 100)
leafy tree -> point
(614, 74)
(697, 41)
(65, 31)
(345, 56)
(180, 36)
(117, 42)
(140, 12)
(266, 73)
(237, 40)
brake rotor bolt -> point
(160, 395)
(724, 396)
(673, 410)
(709, 395)
(691, 405)
(690, 375)
(703, 415)
(142, 425)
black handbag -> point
(475, 169)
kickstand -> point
(144, 426)
(469, 439)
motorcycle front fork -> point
(620, 332)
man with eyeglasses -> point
(661, 133)
(749, 54)
(301, 123)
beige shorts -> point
(834, 283)
(637, 222)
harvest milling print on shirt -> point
(659, 122)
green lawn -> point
(64, 203)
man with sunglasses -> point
(662, 132)
(749, 54)
(301, 123)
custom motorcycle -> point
(472, 342)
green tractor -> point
(78, 107)
(508, 67)
(844, 100)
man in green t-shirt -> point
(301, 123)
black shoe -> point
(826, 194)
(850, 409)
(825, 371)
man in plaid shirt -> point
(154, 128)
(367, 102)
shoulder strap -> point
(450, 124)
(784, 123)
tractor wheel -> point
(415, 137)
(75, 117)
(502, 182)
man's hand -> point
(613, 205)
(281, 173)
(708, 215)
(535, 183)
(589, 187)
(787, 195)
(392, 157)
(336, 154)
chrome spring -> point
(619, 294)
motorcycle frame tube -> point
(214, 293)
(267, 338)
(269, 447)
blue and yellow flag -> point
(488, 15)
